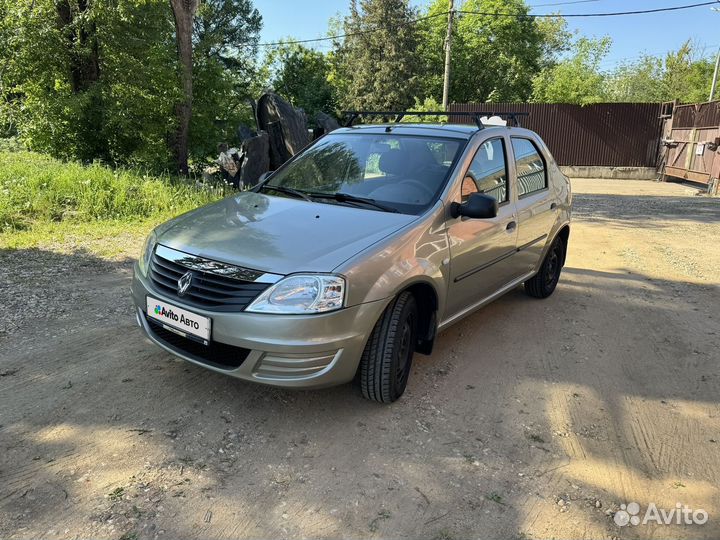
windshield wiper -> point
(346, 197)
(287, 191)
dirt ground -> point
(532, 419)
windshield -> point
(402, 173)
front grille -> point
(216, 354)
(208, 290)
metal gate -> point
(692, 145)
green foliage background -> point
(104, 84)
(126, 115)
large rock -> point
(255, 158)
(286, 127)
(326, 123)
(244, 132)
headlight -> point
(146, 253)
(301, 294)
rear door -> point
(482, 251)
(536, 206)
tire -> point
(542, 284)
(387, 358)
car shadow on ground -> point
(522, 404)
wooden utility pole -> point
(717, 66)
(715, 76)
(448, 44)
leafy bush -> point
(35, 187)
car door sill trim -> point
(498, 259)
(531, 242)
(486, 265)
(447, 322)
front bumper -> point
(294, 351)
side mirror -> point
(478, 206)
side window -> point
(530, 166)
(487, 172)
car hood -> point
(278, 234)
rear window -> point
(530, 166)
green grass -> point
(109, 239)
(48, 204)
(116, 494)
(34, 187)
(495, 497)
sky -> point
(632, 35)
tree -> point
(376, 65)
(637, 82)
(110, 88)
(225, 72)
(681, 75)
(138, 83)
(184, 13)
(498, 54)
(493, 57)
(687, 77)
(79, 31)
(301, 75)
(106, 90)
(432, 29)
(576, 79)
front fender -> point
(416, 254)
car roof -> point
(454, 131)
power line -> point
(562, 3)
(493, 14)
(567, 15)
(351, 34)
(629, 60)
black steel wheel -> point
(542, 284)
(387, 358)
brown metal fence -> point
(697, 115)
(604, 134)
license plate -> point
(178, 318)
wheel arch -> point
(427, 301)
(564, 233)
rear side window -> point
(488, 172)
(530, 166)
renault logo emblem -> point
(184, 283)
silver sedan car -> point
(354, 254)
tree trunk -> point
(82, 44)
(184, 13)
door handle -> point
(553, 206)
(511, 226)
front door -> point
(482, 251)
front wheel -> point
(387, 358)
(542, 284)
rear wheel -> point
(542, 284)
(387, 358)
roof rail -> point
(397, 116)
